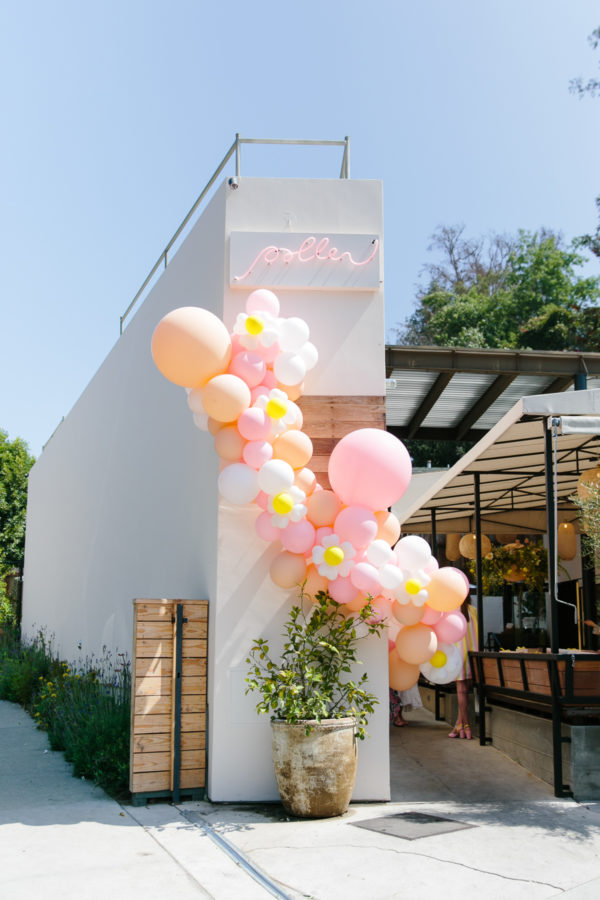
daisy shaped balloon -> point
(282, 411)
(333, 557)
(444, 665)
(259, 329)
(287, 506)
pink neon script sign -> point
(310, 249)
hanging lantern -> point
(514, 574)
(452, 547)
(505, 538)
(468, 545)
(566, 541)
(588, 479)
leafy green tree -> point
(15, 463)
(590, 87)
(501, 292)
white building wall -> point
(123, 501)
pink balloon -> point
(462, 575)
(254, 424)
(269, 354)
(430, 616)
(451, 627)
(357, 525)
(342, 590)
(431, 566)
(365, 577)
(323, 531)
(262, 300)
(382, 609)
(261, 391)
(262, 500)
(249, 366)
(265, 530)
(369, 467)
(298, 537)
(256, 453)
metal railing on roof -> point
(236, 148)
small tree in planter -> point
(317, 712)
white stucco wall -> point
(123, 500)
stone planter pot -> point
(315, 772)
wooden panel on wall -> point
(152, 708)
(327, 419)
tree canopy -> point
(502, 291)
(15, 463)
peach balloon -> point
(306, 480)
(323, 507)
(294, 447)
(416, 644)
(294, 391)
(213, 426)
(388, 527)
(288, 570)
(190, 345)
(406, 613)
(357, 604)
(225, 397)
(229, 444)
(403, 675)
(447, 589)
(314, 582)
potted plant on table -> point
(317, 711)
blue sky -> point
(115, 113)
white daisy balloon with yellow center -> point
(333, 557)
(256, 330)
(287, 506)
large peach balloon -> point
(314, 582)
(388, 526)
(225, 397)
(288, 570)
(416, 644)
(323, 507)
(229, 443)
(294, 447)
(447, 589)
(190, 345)
(369, 467)
(403, 675)
(407, 613)
(306, 480)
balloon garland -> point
(242, 387)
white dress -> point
(411, 699)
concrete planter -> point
(315, 772)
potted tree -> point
(318, 711)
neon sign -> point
(349, 261)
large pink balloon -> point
(298, 537)
(342, 590)
(369, 468)
(356, 524)
(190, 345)
(451, 627)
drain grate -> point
(412, 825)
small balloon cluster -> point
(242, 387)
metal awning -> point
(459, 394)
(509, 463)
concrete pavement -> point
(62, 838)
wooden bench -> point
(562, 686)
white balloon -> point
(379, 552)
(309, 354)
(275, 476)
(293, 333)
(238, 483)
(413, 552)
(390, 576)
(451, 668)
(201, 421)
(194, 400)
(289, 368)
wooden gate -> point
(168, 704)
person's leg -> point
(462, 695)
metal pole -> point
(551, 525)
(238, 155)
(434, 549)
(480, 621)
(347, 157)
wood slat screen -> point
(327, 419)
(153, 682)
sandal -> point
(467, 732)
(456, 731)
(399, 723)
(461, 732)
